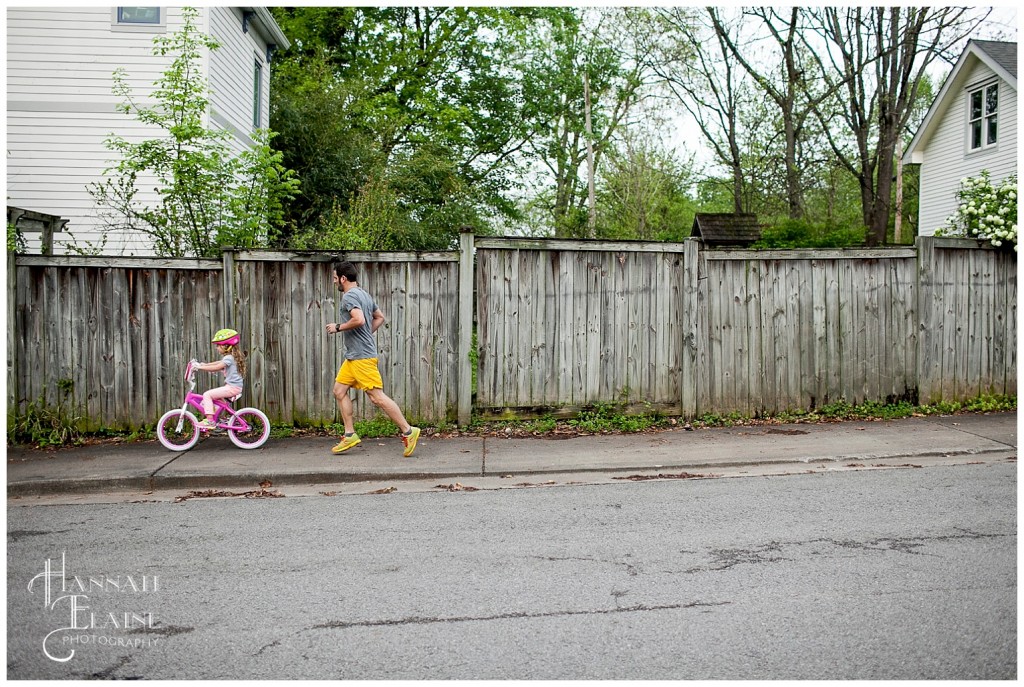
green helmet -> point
(226, 337)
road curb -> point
(252, 480)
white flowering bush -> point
(986, 211)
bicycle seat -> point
(233, 398)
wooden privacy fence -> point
(560, 325)
(283, 302)
(799, 329)
(116, 332)
(564, 324)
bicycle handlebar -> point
(190, 372)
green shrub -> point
(796, 233)
(987, 210)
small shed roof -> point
(726, 228)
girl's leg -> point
(219, 392)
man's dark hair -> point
(345, 269)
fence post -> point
(12, 361)
(688, 364)
(928, 363)
(465, 366)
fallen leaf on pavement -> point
(385, 490)
(220, 493)
(266, 483)
(456, 487)
(681, 475)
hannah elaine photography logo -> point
(72, 600)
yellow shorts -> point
(360, 374)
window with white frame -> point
(144, 19)
(257, 94)
(138, 15)
(983, 116)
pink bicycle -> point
(179, 429)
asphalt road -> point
(887, 574)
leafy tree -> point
(574, 64)
(698, 71)
(783, 86)
(642, 194)
(208, 197)
(370, 98)
(881, 56)
(323, 138)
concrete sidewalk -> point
(217, 463)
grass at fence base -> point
(607, 419)
(45, 427)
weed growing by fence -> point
(377, 426)
(869, 410)
(43, 425)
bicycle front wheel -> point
(258, 428)
(178, 430)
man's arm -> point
(378, 320)
(357, 321)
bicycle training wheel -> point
(169, 434)
(258, 432)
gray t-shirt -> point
(359, 342)
(231, 375)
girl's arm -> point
(211, 367)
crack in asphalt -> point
(729, 558)
(415, 620)
(631, 569)
(276, 642)
(163, 630)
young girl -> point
(233, 364)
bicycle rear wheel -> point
(173, 437)
(257, 433)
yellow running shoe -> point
(346, 443)
(410, 440)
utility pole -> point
(591, 200)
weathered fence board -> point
(561, 328)
(797, 333)
(107, 338)
(968, 320)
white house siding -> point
(232, 74)
(946, 158)
(60, 108)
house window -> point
(138, 15)
(257, 94)
(982, 116)
(138, 19)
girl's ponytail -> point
(236, 351)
